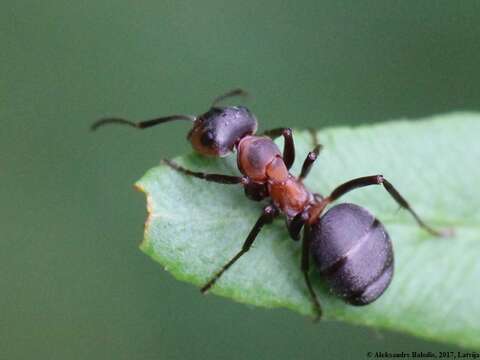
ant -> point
(350, 247)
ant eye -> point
(207, 139)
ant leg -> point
(218, 178)
(268, 214)
(296, 224)
(288, 148)
(309, 160)
(231, 93)
(312, 155)
(367, 181)
(305, 269)
(141, 124)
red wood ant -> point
(350, 246)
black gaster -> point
(220, 128)
(353, 252)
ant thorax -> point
(290, 196)
(254, 154)
(261, 161)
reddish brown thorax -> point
(260, 159)
(290, 196)
(255, 153)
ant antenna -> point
(141, 124)
(231, 93)
(161, 120)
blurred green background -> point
(74, 283)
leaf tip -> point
(144, 245)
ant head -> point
(217, 131)
(214, 133)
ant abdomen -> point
(353, 253)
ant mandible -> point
(351, 248)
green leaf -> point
(194, 227)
